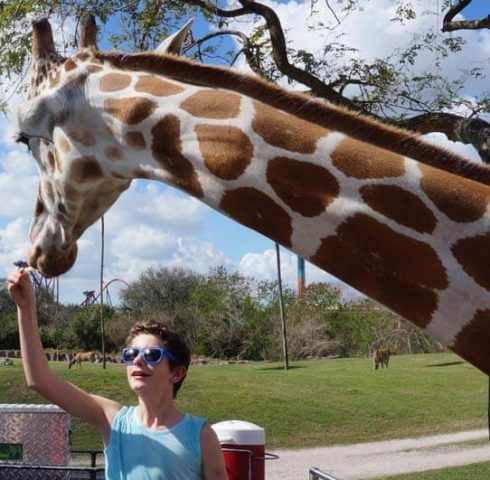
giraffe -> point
(404, 222)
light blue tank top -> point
(136, 452)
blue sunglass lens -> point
(151, 356)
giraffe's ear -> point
(173, 44)
(88, 32)
(42, 38)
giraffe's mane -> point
(316, 111)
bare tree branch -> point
(247, 50)
(450, 25)
(332, 12)
(279, 48)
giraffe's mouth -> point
(53, 261)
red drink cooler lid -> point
(239, 432)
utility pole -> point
(281, 310)
(102, 325)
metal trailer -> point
(33, 435)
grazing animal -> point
(402, 221)
(80, 357)
(381, 357)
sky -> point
(152, 225)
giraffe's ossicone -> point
(406, 223)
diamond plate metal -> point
(43, 431)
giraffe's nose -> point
(53, 261)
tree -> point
(161, 289)
(9, 337)
(83, 330)
(231, 321)
(391, 88)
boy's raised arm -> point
(98, 411)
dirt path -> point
(371, 460)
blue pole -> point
(301, 278)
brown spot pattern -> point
(63, 144)
(51, 160)
(39, 208)
(48, 192)
(156, 86)
(55, 79)
(474, 256)
(70, 65)
(167, 150)
(361, 160)
(256, 210)
(72, 195)
(212, 104)
(93, 68)
(112, 82)
(85, 137)
(462, 200)
(85, 169)
(306, 188)
(135, 140)
(286, 131)
(113, 153)
(399, 205)
(396, 270)
(473, 340)
(82, 56)
(227, 151)
(130, 110)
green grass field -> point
(477, 471)
(315, 403)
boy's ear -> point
(179, 373)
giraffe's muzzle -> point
(54, 261)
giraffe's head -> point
(77, 185)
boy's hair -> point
(171, 341)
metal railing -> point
(11, 470)
(317, 474)
(93, 455)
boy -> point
(153, 441)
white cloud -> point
(14, 244)
(161, 207)
(463, 149)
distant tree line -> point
(224, 315)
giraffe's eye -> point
(21, 137)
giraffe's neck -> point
(385, 224)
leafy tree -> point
(8, 315)
(387, 88)
(232, 323)
(83, 330)
(160, 289)
(6, 303)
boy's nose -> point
(139, 359)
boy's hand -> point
(20, 288)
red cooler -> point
(243, 445)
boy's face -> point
(143, 377)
